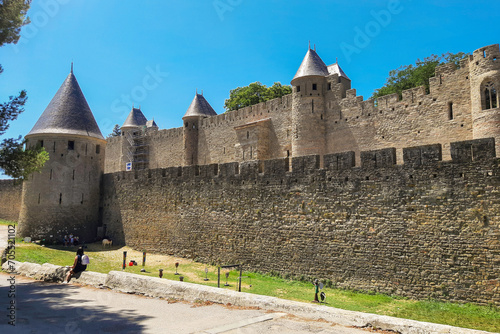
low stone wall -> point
(51, 273)
(162, 288)
(10, 199)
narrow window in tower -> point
(54, 148)
(71, 144)
(98, 149)
(73, 174)
(490, 96)
(186, 124)
(39, 198)
(450, 111)
(329, 86)
(51, 174)
(60, 198)
(251, 152)
(288, 153)
(315, 87)
(484, 53)
(40, 143)
(248, 134)
(82, 200)
(86, 148)
(312, 105)
(298, 89)
(224, 150)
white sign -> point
(128, 166)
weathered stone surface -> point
(10, 199)
(426, 232)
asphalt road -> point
(52, 308)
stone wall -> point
(428, 228)
(10, 199)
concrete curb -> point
(156, 287)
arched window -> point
(490, 96)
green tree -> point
(16, 160)
(253, 94)
(117, 132)
(12, 19)
(411, 76)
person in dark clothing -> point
(77, 265)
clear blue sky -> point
(220, 45)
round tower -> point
(135, 150)
(199, 109)
(64, 198)
(308, 106)
(484, 66)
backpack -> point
(85, 259)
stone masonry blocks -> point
(473, 150)
(378, 158)
(422, 155)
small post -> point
(206, 274)
(218, 277)
(124, 260)
(241, 273)
(160, 273)
(176, 266)
(143, 262)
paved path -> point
(59, 308)
(51, 308)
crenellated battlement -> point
(229, 118)
(370, 161)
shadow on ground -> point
(57, 308)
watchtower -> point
(313, 85)
(64, 197)
(484, 66)
(199, 109)
(136, 149)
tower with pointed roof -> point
(199, 109)
(64, 198)
(313, 85)
(136, 148)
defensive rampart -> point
(10, 199)
(427, 228)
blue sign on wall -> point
(128, 166)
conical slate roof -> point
(200, 107)
(311, 65)
(335, 69)
(68, 113)
(135, 119)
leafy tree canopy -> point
(411, 76)
(253, 94)
(15, 160)
(12, 19)
(117, 132)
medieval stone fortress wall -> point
(395, 196)
(323, 115)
